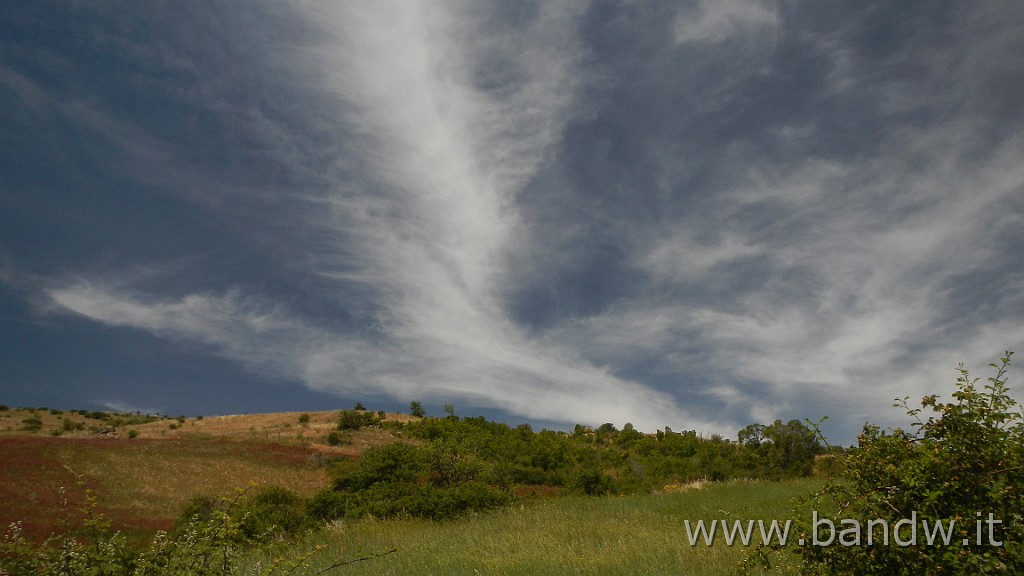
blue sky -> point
(696, 214)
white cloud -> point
(793, 279)
(427, 226)
(715, 21)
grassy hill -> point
(145, 469)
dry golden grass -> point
(149, 478)
(12, 421)
(279, 427)
(144, 474)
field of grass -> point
(637, 534)
(141, 485)
(143, 474)
(144, 479)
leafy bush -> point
(32, 424)
(437, 481)
(303, 418)
(273, 510)
(593, 482)
(68, 425)
(337, 439)
(355, 419)
(963, 463)
(209, 541)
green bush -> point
(327, 505)
(355, 419)
(68, 425)
(32, 424)
(273, 510)
(303, 418)
(592, 482)
(963, 462)
(337, 439)
(439, 481)
(210, 538)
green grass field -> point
(638, 534)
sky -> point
(696, 214)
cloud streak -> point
(426, 225)
(695, 216)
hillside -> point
(145, 469)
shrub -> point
(354, 420)
(68, 425)
(438, 481)
(133, 433)
(303, 418)
(416, 409)
(208, 540)
(327, 505)
(592, 482)
(272, 510)
(32, 424)
(337, 439)
(963, 462)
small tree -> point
(416, 409)
(963, 467)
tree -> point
(961, 468)
(752, 436)
(790, 448)
(416, 409)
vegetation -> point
(606, 536)
(961, 466)
(209, 541)
(356, 419)
(451, 466)
(441, 491)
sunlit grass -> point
(157, 478)
(637, 534)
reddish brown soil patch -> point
(35, 487)
(140, 485)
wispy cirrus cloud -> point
(697, 216)
(423, 223)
